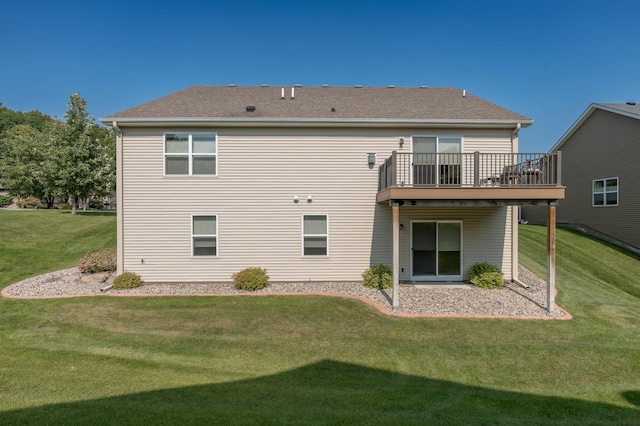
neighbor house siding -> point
(259, 173)
(606, 145)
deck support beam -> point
(395, 207)
(551, 257)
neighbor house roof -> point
(324, 104)
(629, 109)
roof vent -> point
(631, 103)
(424, 87)
(250, 108)
(265, 85)
(391, 86)
(325, 85)
(333, 109)
(232, 85)
(297, 85)
(358, 86)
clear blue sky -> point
(547, 60)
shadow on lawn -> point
(330, 392)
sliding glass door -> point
(436, 250)
(436, 160)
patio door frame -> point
(437, 277)
(436, 166)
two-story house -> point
(319, 183)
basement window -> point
(204, 235)
(315, 235)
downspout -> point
(515, 214)
(514, 137)
(119, 200)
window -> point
(204, 235)
(190, 154)
(605, 192)
(315, 235)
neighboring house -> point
(319, 183)
(600, 154)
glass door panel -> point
(424, 160)
(424, 248)
(449, 249)
(449, 150)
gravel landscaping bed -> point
(443, 300)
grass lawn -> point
(311, 360)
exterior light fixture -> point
(309, 198)
(401, 142)
(296, 198)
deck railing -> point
(470, 170)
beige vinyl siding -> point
(488, 142)
(606, 145)
(484, 229)
(259, 172)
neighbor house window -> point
(190, 154)
(315, 235)
(605, 192)
(204, 235)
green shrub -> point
(29, 202)
(486, 275)
(64, 206)
(480, 268)
(6, 200)
(95, 204)
(127, 280)
(100, 261)
(488, 280)
(251, 279)
(378, 276)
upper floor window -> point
(190, 154)
(605, 192)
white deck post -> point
(551, 257)
(395, 207)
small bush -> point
(486, 275)
(29, 202)
(6, 200)
(100, 261)
(127, 280)
(378, 276)
(64, 206)
(95, 204)
(251, 279)
(488, 280)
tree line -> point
(51, 159)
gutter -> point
(313, 122)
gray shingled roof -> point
(630, 108)
(320, 103)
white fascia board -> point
(309, 122)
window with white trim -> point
(315, 235)
(204, 235)
(190, 154)
(605, 192)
